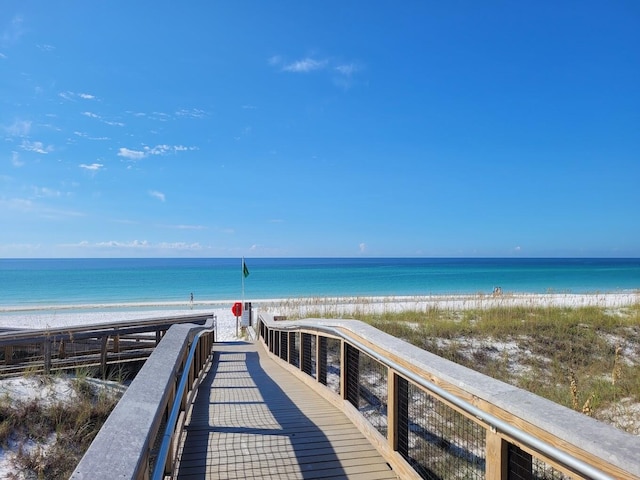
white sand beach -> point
(344, 307)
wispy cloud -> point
(347, 69)
(88, 137)
(151, 151)
(19, 128)
(306, 65)
(159, 195)
(13, 32)
(186, 227)
(72, 96)
(113, 243)
(15, 160)
(137, 245)
(192, 113)
(342, 73)
(45, 192)
(37, 147)
(28, 206)
(93, 167)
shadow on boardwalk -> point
(253, 419)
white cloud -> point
(15, 160)
(151, 151)
(72, 96)
(94, 167)
(275, 60)
(193, 113)
(46, 192)
(114, 124)
(347, 69)
(131, 154)
(342, 73)
(27, 206)
(187, 227)
(136, 245)
(306, 65)
(91, 115)
(362, 247)
(113, 243)
(37, 147)
(159, 195)
(19, 128)
(13, 33)
(84, 135)
(179, 246)
(46, 47)
(3, 56)
(160, 116)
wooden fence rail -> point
(97, 345)
(129, 442)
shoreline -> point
(49, 316)
(456, 300)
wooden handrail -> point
(419, 400)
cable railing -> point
(432, 418)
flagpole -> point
(242, 275)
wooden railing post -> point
(47, 356)
(392, 417)
(8, 355)
(103, 356)
(496, 456)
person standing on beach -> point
(191, 301)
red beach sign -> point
(237, 309)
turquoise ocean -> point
(48, 283)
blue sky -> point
(334, 128)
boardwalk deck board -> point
(253, 419)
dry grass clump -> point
(586, 358)
(50, 437)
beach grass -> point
(586, 358)
(50, 437)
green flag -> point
(245, 270)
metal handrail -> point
(161, 460)
(493, 421)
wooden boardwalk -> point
(253, 419)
